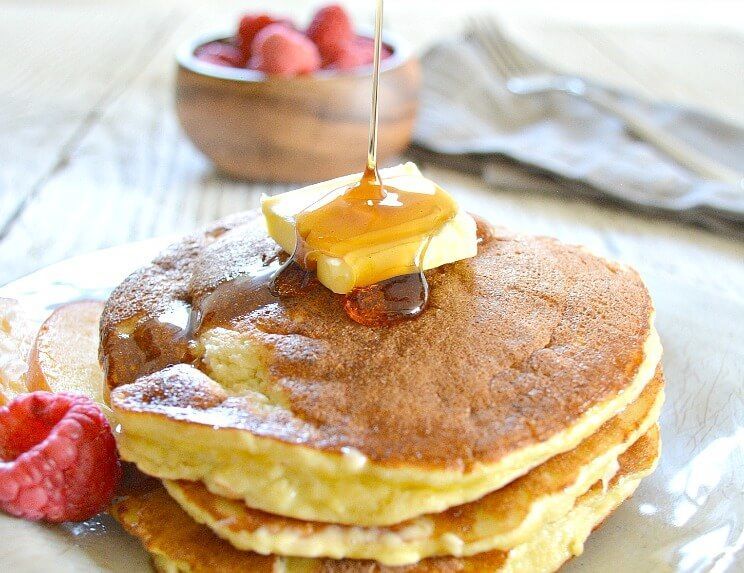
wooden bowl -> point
(306, 128)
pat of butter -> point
(455, 240)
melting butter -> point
(354, 243)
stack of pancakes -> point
(492, 433)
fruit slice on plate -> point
(16, 336)
(64, 357)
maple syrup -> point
(235, 299)
(388, 301)
(373, 212)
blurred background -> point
(92, 154)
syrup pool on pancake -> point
(366, 214)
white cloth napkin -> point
(557, 142)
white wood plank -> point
(60, 67)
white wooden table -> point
(91, 154)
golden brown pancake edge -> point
(166, 530)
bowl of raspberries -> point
(273, 101)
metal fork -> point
(525, 75)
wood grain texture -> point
(91, 154)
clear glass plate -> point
(687, 517)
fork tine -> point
(517, 61)
(523, 63)
(527, 62)
(494, 57)
(491, 40)
(500, 45)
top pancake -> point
(515, 345)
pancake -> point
(501, 520)
(179, 544)
(523, 352)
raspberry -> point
(58, 455)
(252, 24)
(220, 54)
(281, 51)
(360, 51)
(330, 28)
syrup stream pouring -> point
(391, 300)
(374, 112)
